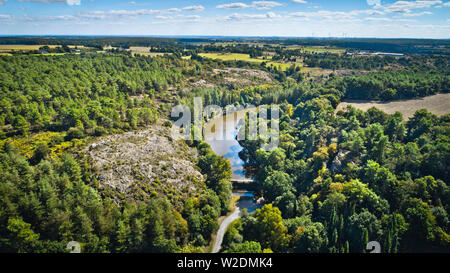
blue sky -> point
(318, 18)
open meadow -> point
(245, 58)
(437, 104)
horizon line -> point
(214, 36)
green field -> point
(231, 57)
(281, 66)
(24, 47)
(151, 54)
(245, 58)
(50, 54)
(319, 49)
(33, 47)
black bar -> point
(233, 262)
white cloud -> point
(386, 19)
(5, 16)
(173, 10)
(73, 2)
(373, 2)
(162, 17)
(300, 1)
(418, 14)
(192, 17)
(180, 18)
(255, 4)
(112, 14)
(335, 15)
(408, 6)
(447, 4)
(122, 14)
(243, 16)
(378, 19)
(233, 6)
(194, 8)
(265, 4)
(69, 2)
(132, 3)
(55, 18)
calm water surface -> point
(223, 141)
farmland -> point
(318, 49)
(22, 47)
(32, 47)
(437, 104)
(151, 54)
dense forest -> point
(51, 106)
(337, 180)
(93, 41)
(45, 206)
(391, 85)
(91, 94)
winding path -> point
(223, 228)
(245, 201)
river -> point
(223, 142)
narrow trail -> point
(246, 201)
(223, 228)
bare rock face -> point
(141, 164)
(336, 165)
(244, 77)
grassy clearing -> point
(25, 47)
(151, 54)
(79, 46)
(49, 54)
(437, 104)
(281, 66)
(145, 51)
(245, 58)
(231, 57)
(317, 71)
(27, 146)
(139, 49)
(320, 49)
(10, 48)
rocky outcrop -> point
(336, 165)
(140, 164)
